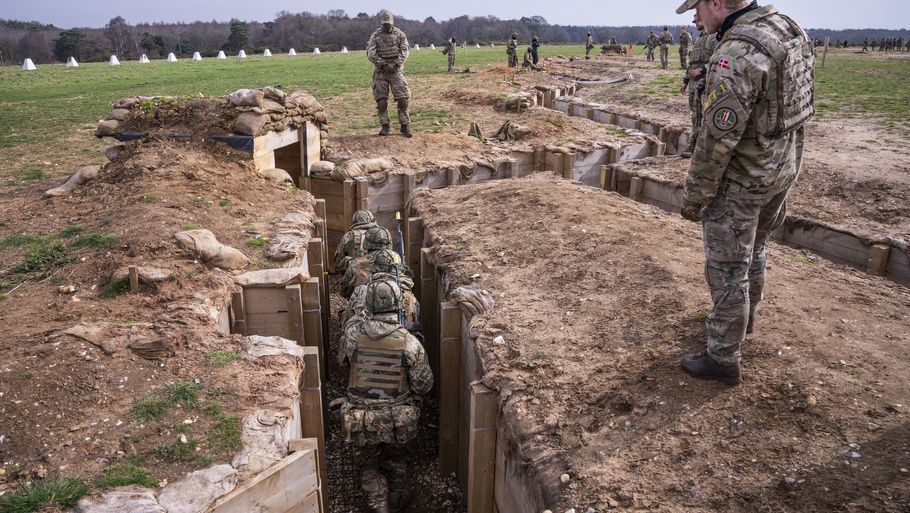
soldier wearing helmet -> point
(388, 372)
(359, 269)
(512, 50)
(352, 243)
(384, 265)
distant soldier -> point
(589, 45)
(535, 46)
(907, 46)
(874, 44)
(450, 50)
(613, 41)
(865, 45)
(694, 80)
(665, 39)
(651, 44)
(380, 414)
(685, 39)
(528, 60)
(353, 242)
(512, 50)
(388, 50)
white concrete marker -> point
(241, 55)
(28, 65)
(316, 51)
(416, 47)
(196, 56)
(292, 52)
(114, 61)
(144, 59)
(221, 55)
(171, 57)
(267, 53)
(344, 49)
(71, 63)
(432, 46)
(476, 45)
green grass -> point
(72, 231)
(185, 393)
(44, 255)
(3, 297)
(32, 175)
(63, 492)
(96, 240)
(179, 452)
(802, 260)
(149, 407)
(220, 359)
(700, 316)
(16, 241)
(225, 435)
(854, 84)
(224, 202)
(115, 289)
(188, 227)
(125, 475)
(258, 242)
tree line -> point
(303, 31)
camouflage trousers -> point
(513, 60)
(588, 52)
(684, 56)
(696, 97)
(650, 56)
(383, 81)
(736, 228)
(451, 62)
(383, 474)
(664, 56)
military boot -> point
(703, 366)
(384, 130)
(406, 131)
(750, 325)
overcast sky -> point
(835, 14)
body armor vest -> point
(790, 99)
(377, 369)
(355, 246)
(701, 51)
(387, 44)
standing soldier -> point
(387, 50)
(512, 50)
(685, 39)
(665, 39)
(388, 370)
(874, 44)
(651, 44)
(759, 96)
(535, 47)
(589, 45)
(450, 49)
(694, 80)
(865, 45)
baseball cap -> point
(687, 5)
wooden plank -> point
(415, 243)
(362, 194)
(410, 185)
(312, 504)
(238, 316)
(387, 202)
(274, 140)
(303, 444)
(899, 267)
(281, 487)
(635, 188)
(312, 320)
(348, 205)
(604, 177)
(482, 449)
(449, 381)
(316, 257)
(295, 312)
(321, 186)
(313, 415)
(134, 278)
(268, 325)
(429, 308)
(568, 166)
(264, 300)
(264, 161)
(310, 147)
(878, 259)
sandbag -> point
(323, 168)
(292, 236)
(250, 123)
(510, 131)
(246, 98)
(277, 176)
(206, 246)
(83, 175)
(361, 167)
(147, 275)
(472, 301)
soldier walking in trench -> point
(388, 50)
(759, 95)
(388, 370)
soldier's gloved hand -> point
(691, 211)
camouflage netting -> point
(251, 112)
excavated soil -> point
(66, 403)
(598, 297)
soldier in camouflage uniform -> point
(450, 49)
(388, 370)
(352, 242)
(386, 265)
(358, 271)
(589, 45)
(759, 95)
(651, 44)
(665, 39)
(685, 39)
(388, 50)
(694, 80)
(512, 50)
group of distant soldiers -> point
(531, 55)
(896, 44)
(663, 41)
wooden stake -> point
(363, 195)
(481, 449)
(613, 156)
(568, 166)
(635, 189)
(604, 179)
(312, 321)
(512, 168)
(348, 194)
(878, 259)
(825, 54)
(316, 257)
(540, 158)
(295, 313)
(237, 314)
(450, 318)
(313, 416)
(415, 243)
(429, 308)
(453, 175)
(134, 278)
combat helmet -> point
(382, 297)
(377, 238)
(384, 261)
(514, 35)
(362, 217)
(388, 18)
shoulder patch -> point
(715, 94)
(725, 119)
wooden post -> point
(658, 148)
(348, 193)
(481, 449)
(878, 259)
(312, 320)
(590, 113)
(614, 179)
(613, 156)
(363, 195)
(449, 381)
(453, 175)
(512, 168)
(295, 313)
(825, 54)
(605, 172)
(570, 109)
(134, 278)
(415, 243)
(410, 184)
(312, 412)
(568, 166)
(540, 158)
(316, 258)
(429, 309)
(237, 314)
(635, 189)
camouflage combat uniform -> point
(685, 39)
(651, 44)
(388, 50)
(701, 55)
(359, 269)
(665, 39)
(382, 266)
(748, 156)
(450, 50)
(512, 51)
(352, 242)
(589, 45)
(388, 369)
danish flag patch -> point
(724, 63)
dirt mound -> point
(594, 313)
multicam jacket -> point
(665, 38)
(351, 245)
(759, 93)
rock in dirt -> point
(207, 247)
(147, 275)
(277, 176)
(246, 98)
(80, 177)
(151, 348)
(133, 499)
(119, 115)
(198, 490)
(107, 128)
(114, 152)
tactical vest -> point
(790, 99)
(356, 247)
(377, 369)
(387, 44)
(702, 51)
